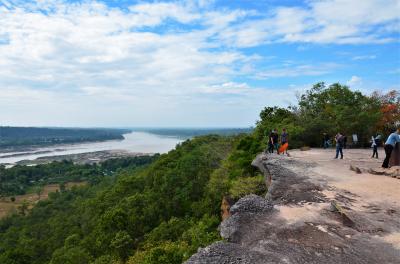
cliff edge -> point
(316, 211)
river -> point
(135, 142)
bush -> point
(248, 185)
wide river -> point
(135, 142)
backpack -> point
(340, 140)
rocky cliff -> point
(297, 223)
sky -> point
(187, 63)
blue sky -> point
(190, 63)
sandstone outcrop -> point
(295, 223)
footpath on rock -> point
(316, 210)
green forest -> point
(26, 136)
(162, 210)
(186, 133)
(19, 179)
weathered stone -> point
(335, 207)
(355, 168)
(395, 157)
(377, 171)
(393, 171)
(251, 204)
(242, 212)
(257, 233)
(305, 148)
(229, 253)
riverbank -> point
(135, 143)
(84, 158)
(316, 210)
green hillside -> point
(162, 211)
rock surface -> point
(294, 223)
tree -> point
(74, 255)
(390, 110)
(23, 208)
(122, 243)
(337, 109)
(39, 191)
(62, 187)
(279, 118)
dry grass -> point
(7, 206)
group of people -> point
(341, 143)
(389, 145)
(275, 141)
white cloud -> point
(327, 21)
(153, 62)
(364, 57)
(159, 11)
(293, 70)
(354, 82)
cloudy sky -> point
(185, 63)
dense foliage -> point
(20, 179)
(186, 133)
(331, 110)
(162, 212)
(158, 214)
(18, 136)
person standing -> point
(375, 143)
(270, 142)
(275, 140)
(389, 146)
(339, 145)
(326, 141)
(284, 140)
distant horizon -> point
(127, 127)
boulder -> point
(395, 157)
(393, 171)
(251, 204)
(355, 168)
(241, 213)
(377, 171)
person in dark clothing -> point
(270, 142)
(375, 144)
(339, 145)
(389, 146)
(325, 140)
(275, 140)
(284, 139)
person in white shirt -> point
(389, 146)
